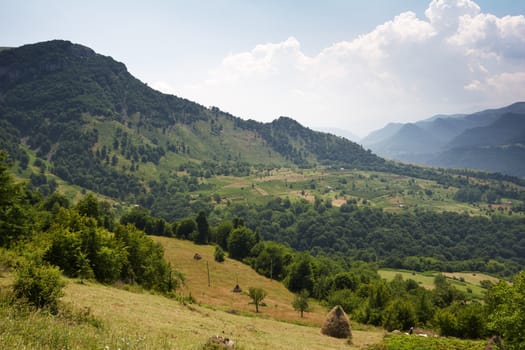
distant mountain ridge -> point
(490, 140)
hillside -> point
(92, 124)
(223, 278)
(130, 318)
(489, 140)
(75, 120)
(113, 318)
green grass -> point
(463, 281)
(390, 192)
(414, 342)
(425, 280)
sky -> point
(352, 65)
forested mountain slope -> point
(95, 125)
(74, 117)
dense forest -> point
(420, 240)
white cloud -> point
(405, 69)
(444, 15)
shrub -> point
(399, 314)
(40, 286)
(219, 254)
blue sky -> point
(355, 65)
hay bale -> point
(218, 342)
(337, 324)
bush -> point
(219, 254)
(399, 314)
(40, 286)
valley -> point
(113, 187)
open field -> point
(393, 193)
(119, 319)
(463, 281)
(223, 278)
(151, 317)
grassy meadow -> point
(468, 282)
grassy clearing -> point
(223, 278)
(424, 280)
(463, 281)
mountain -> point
(405, 141)
(509, 129)
(89, 122)
(500, 146)
(382, 134)
(340, 132)
(490, 140)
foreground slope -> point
(110, 318)
(165, 323)
(94, 316)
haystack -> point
(237, 289)
(337, 324)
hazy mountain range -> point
(491, 140)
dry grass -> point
(224, 276)
(131, 320)
(159, 320)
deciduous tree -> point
(257, 295)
